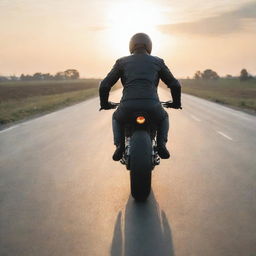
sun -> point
(126, 19)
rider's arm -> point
(108, 82)
(167, 77)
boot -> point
(163, 151)
(162, 133)
(118, 154)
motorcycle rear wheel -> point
(140, 165)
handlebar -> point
(165, 104)
(112, 105)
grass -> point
(22, 100)
(20, 89)
(231, 92)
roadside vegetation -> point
(24, 99)
(238, 92)
(31, 95)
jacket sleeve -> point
(108, 82)
(167, 77)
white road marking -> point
(195, 118)
(8, 129)
(216, 106)
(224, 135)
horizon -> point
(236, 76)
(49, 36)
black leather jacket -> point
(140, 74)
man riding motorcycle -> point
(140, 73)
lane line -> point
(195, 118)
(215, 106)
(224, 135)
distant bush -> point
(3, 79)
(244, 75)
(63, 75)
(208, 74)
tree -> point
(22, 77)
(244, 75)
(14, 78)
(71, 74)
(47, 76)
(38, 76)
(3, 79)
(209, 74)
(198, 75)
(68, 74)
(60, 76)
(26, 77)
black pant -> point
(152, 107)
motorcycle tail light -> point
(140, 119)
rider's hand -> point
(175, 105)
(108, 105)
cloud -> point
(226, 23)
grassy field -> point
(20, 100)
(231, 92)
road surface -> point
(61, 194)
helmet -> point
(140, 40)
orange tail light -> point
(140, 119)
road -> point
(61, 194)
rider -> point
(140, 73)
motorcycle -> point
(140, 155)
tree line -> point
(209, 74)
(62, 75)
(69, 74)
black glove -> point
(175, 105)
(108, 105)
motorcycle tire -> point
(140, 165)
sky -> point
(54, 35)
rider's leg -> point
(118, 139)
(162, 131)
(117, 131)
(162, 137)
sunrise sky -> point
(54, 35)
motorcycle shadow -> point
(142, 230)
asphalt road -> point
(61, 194)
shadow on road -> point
(143, 230)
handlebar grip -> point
(168, 104)
(112, 105)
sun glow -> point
(126, 19)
